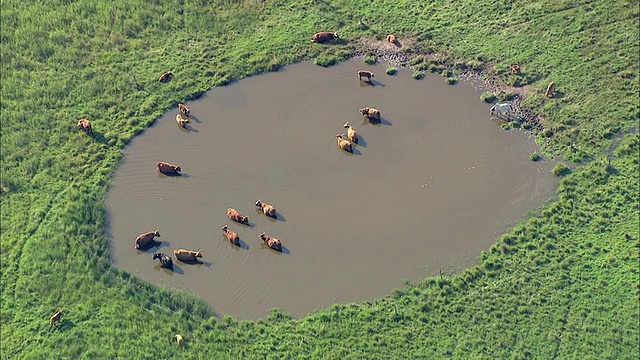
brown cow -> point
(235, 215)
(370, 112)
(187, 255)
(145, 239)
(266, 208)
(179, 339)
(324, 36)
(392, 39)
(85, 125)
(168, 169)
(365, 73)
(351, 132)
(164, 77)
(551, 89)
(184, 109)
(271, 242)
(232, 236)
(343, 144)
(515, 69)
(55, 318)
(182, 120)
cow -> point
(184, 109)
(179, 339)
(165, 77)
(551, 89)
(351, 132)
(182, 120)
(324, 36)
(391, 38)
(231, 235)
(267, 209)
(165, 260)
(187, 255)
(235, 215)
(145, 239)
(55, 318)
(365, 73)
(343, 144)
(271, 242)
(502, 111)
(515, 69)
(85, 125)
(370, 112)
(168, 169)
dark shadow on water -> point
(194, 263)
(163, 175)
(194, 118)
(353, 151)
(371, 83)
(374, 122)
(153, 244)
(361, 142)
(278, 217)
(187, 128)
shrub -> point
(534, 157)
(391, 70)
(325, 60)
(561, 170)
(487, 97)
(505, 126)
(451, 80)
(416, 60)
(515, 124)
(418, 75)
(370, 59)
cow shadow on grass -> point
(62, 325)
(99, 137)
(375, 122)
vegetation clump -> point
(392, 70)
(418, 75)
(487, 97)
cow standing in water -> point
(366, 74)
(235, 215)
(231, 235)
(182, 120)
(267, 209)
(343, 143)
(187, 255)
(271, 242)
(351, 132)
(165, 260)
(168, 169)
(145, 239)
(184, 109)
(371, 113)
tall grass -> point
(561, 284)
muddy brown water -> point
(426, 189)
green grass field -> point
(564, 283)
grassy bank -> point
(563, 283)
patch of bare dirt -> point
(401, 52)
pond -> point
(426, 189)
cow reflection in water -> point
(165, 260)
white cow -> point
(502, 111)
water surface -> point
(428, 188)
